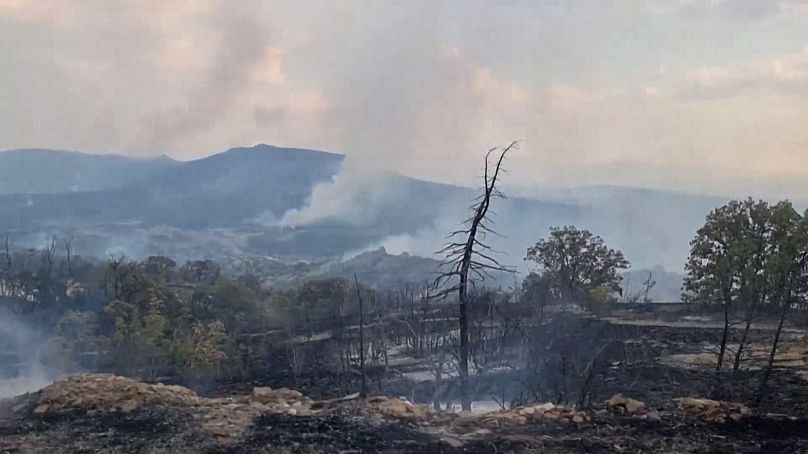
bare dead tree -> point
(361, 337)
(113, 275)
(647, 286)
(68, 245)
(6, 252)
(50, 253)
(468, 256)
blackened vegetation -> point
(337, 432)
(112, 432)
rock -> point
(399, 408)
(621, 404)
(503, 419)
(546, 412)
(713, 410)
(280, 396)
(549, 406)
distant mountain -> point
(33, 171)
(218, 191)
(233, 203)
(251, 189)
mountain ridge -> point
(249, 190)
(44, 171)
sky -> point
(703, 96)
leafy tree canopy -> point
(576, 264)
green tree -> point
(152, 342)
(229, 301)
(209, 348)
(738, 261)
(576, 264)
(726, 264)
(786, 272)
(140, 342)
(124, 318)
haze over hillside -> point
(259, 200)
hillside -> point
(249, 190)
(235, 202)
(222, 190)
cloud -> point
(785, 74)
(726, 9)
(242, 51)
(422, 88)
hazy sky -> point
(700, 95)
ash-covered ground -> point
(106, 413)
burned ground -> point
(390, 425)
(102, 413)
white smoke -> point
(21, 350)
(357, 195)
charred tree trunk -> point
(463, 368)
(784, 298)
(739, 353)
(68, 243)
(465, 257)
(725, 335)
(770, 365)
(363, 390)
(7, 252)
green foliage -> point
(787, 257)
(752, 256)
(231, 302)
(209, 347)
(152, 319)
(747, 254)
(576, 264)
(139, 338)
(203, 352)
(728, 252)
(151, 339)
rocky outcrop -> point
(109, 413)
